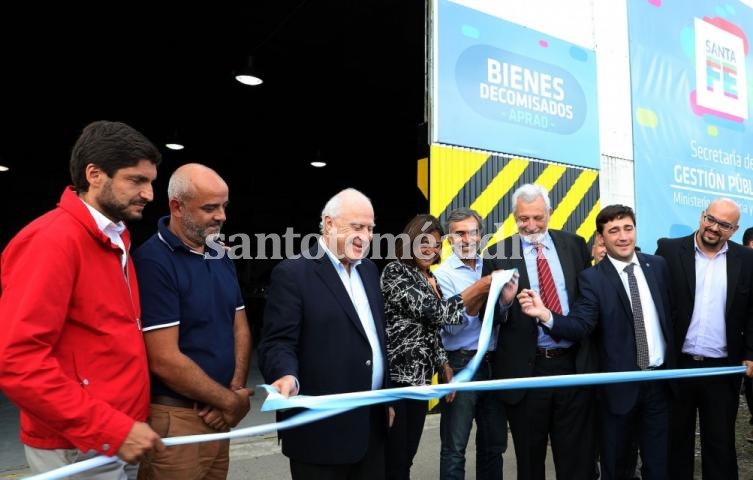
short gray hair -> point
(333, 207)
(460, 214)
(529, 193)
(180, 186)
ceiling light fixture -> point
(318, 162)
(249, 74)
(173, 142)
(3, 168)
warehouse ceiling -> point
(344, 81)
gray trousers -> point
(43, 460)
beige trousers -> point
(196, 461)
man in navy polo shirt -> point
(195, 329)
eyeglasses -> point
(723, 226)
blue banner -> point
(502, 87)
(691, 90)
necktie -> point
(641, 343)
(547, 289)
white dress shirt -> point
(656, 343)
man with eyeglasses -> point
(712, 287)
(747, 381)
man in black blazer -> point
(712, 282)
(625, 301)
(525, 350)
(323, 333)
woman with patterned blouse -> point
(415, 311)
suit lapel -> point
(687, 260)
(332, 280)
(566, 257)
(613, 277)
(733, 272)
(372, 290)
(653, 286)
(517, 260)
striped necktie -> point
(547, 288)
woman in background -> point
(415, 311)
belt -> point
(471, 353)
(701, 358)
(553, 352)
(177, 402)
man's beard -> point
(198, 233)
(116, 210)
(533, 237)
(712, 243)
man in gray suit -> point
(547, 261)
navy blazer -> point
(680, 256)
(312, 331)
(518, 335)
(604, 308)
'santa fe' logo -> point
(721, 80)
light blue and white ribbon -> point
(347, 401)
(499, 279)
(323, 406)
(300, 419)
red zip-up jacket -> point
(72, 355)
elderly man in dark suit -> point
(324, 333)
(625, 301)
(712, 280)
(549, 261)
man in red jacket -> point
(72, 355)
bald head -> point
(198, 197)
(717, 224)
(725, 209)
(191, 178)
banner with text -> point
(502, 87)
(691, 89)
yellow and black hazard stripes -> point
(485, 182)
(422, 176)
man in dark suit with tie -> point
(324, 333)
(525, 350)
(712, 282)
(625, 301)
